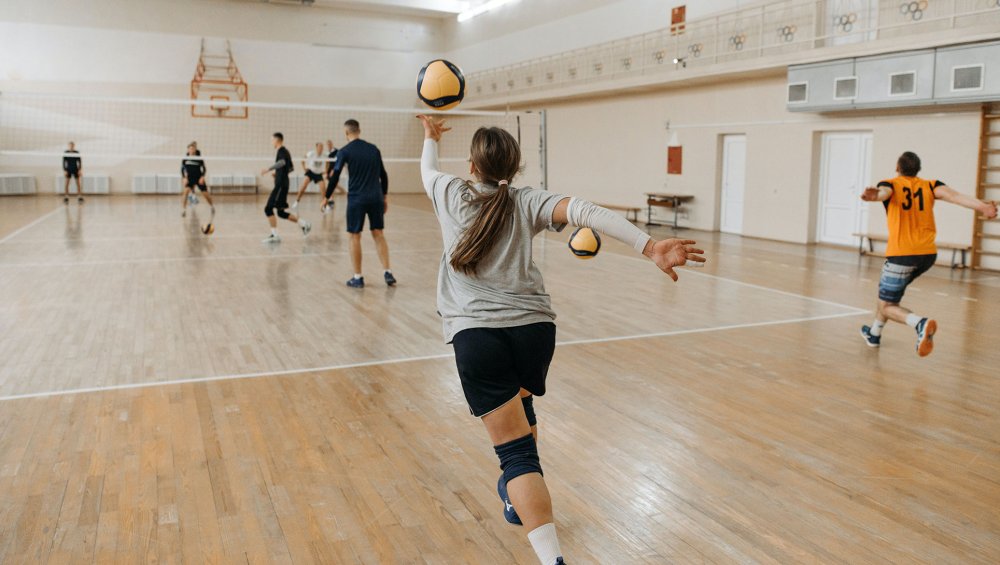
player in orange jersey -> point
(909, 208)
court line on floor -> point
(182, 259)
(694, 271)
(24, 227)
(400, 360)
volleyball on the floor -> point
(441, 85)
(208, 229)
(585, 243)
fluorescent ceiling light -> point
(482, 9)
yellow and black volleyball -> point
(441, 85)
(585, 243)
(208, 229)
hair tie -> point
(502, 183)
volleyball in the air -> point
(585, 243)
(441, 85)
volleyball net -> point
(125, 136)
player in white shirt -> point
(315, 167)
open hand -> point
(870, 194)
(670, 253)
(433, 127)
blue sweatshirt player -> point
(367, 190)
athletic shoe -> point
(65, 199)
(389, 279)
(79, 199)
(295, 205)
(926, 329)
(184, 213)
(306, 227)
(508, 509)
(213, 209)
(559, 561)
(871, 340)
(271, 239)
(356, 282)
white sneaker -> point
(295, 205)
(271, 239)
(306, 227)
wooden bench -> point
(631, 212)
(956, 248)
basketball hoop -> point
(218, 81)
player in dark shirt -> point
(193, 176)
(367, 190)
(72, 167)
(277, 202)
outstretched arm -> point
(879, 193)
(429, 168)
(948, 194)
(667, 254)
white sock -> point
(912, 320)
(274, 231)
(545, 543)
(357, 275)
(876, 329)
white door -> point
(734, 169)
(845, 170)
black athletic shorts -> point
(899, 272)
(279, 195)
(74, 174)
(314, 177)
(356, 212)
(496, 363)
(196, 182)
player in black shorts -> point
(277, 202)
(72, 167)
(314, 169)
(367, 190)
(193, 175)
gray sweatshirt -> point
(507, 289)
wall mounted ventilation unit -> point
(903, 84)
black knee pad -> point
(268, 211)
(518, 457)
(283, 214)
(529, 409)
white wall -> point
(613, 150)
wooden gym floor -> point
(174, 397)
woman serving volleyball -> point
(494, 308)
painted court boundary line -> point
(25, 227)
(401, 360)
(682, 271)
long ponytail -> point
(497, 158)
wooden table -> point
(665, 200)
